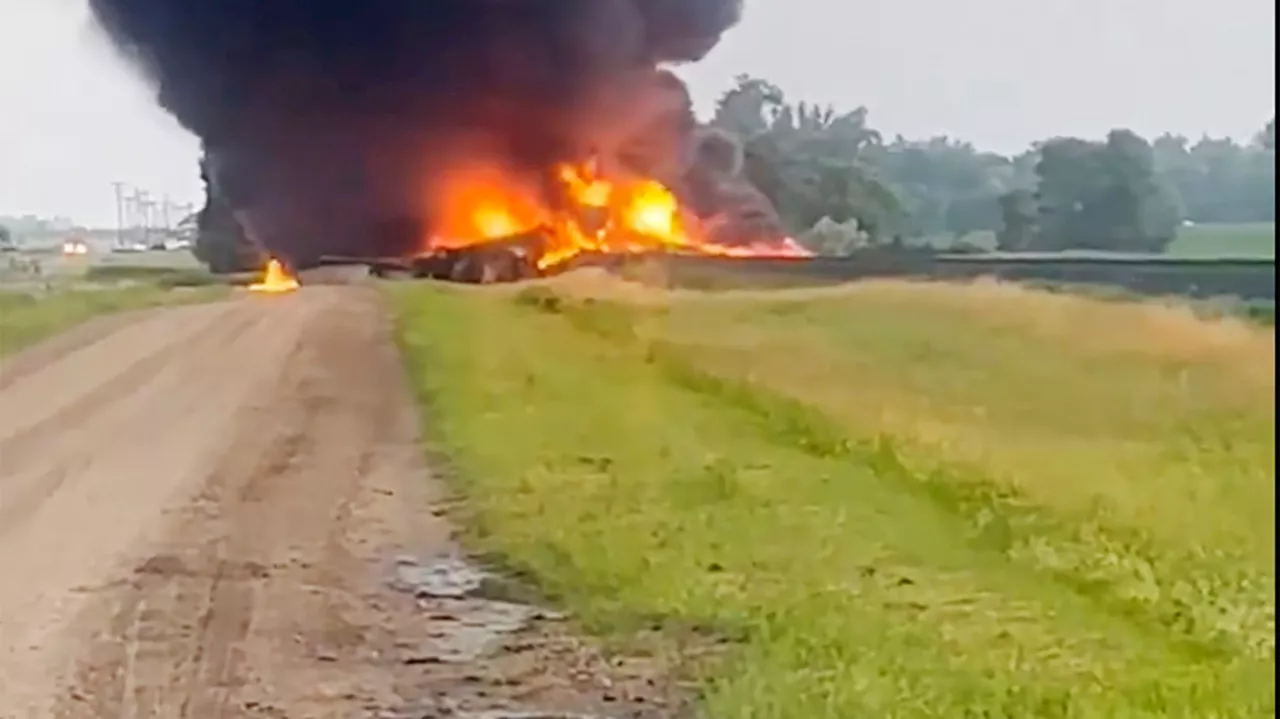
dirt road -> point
(199, 510)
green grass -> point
(891, 500)
(155, 274)
(1221, 240)
(27, 318)
(1236, 240)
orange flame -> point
(480, 204)
(584, 187)
(630, 215)
(275, 280)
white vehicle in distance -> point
(74, 247)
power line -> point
(140, 216)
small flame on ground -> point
(626, 216)
(275, 280)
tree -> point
(1102, 196)
(1019, 216)
(808, 160)
(1066, 173)
(944, 185)
(973, 213)
(749, 108)
(1217, 179)
(1266, 138)
(1131, 209)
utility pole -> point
(119, 187)
(185, 209)
(140, 206)
(148, 218)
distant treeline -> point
(1122, 192)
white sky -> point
(1000, 73)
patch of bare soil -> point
(223, 511)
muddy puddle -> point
(471, 622)
(467, 625)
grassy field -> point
(27, 318)
(888, 500)
(70, 290)
(1242, 240)
(1233, 240)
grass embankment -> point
(891, 500)
(27, 318)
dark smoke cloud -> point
(322, 118)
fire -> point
(275, 280)
(495, 221)
(584, 187)
(482, 205)
(653, 211)
(601, 215)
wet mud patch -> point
(484, 654)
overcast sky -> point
(1000, 73)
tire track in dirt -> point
(71, 385)
(102, 416)
(77, 496)
(199, 512)
(251, 603)
(58, 346)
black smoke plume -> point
(323, 118)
